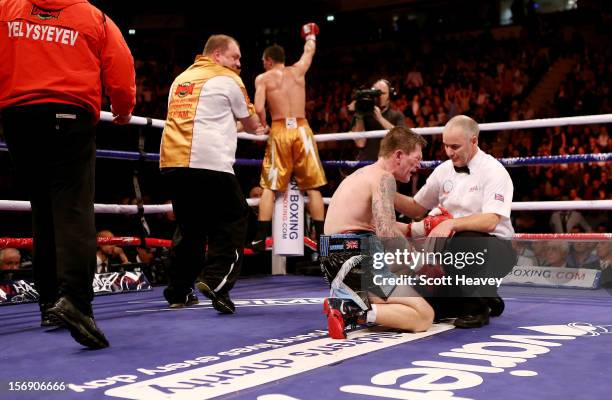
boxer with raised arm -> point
(361, 214)
(291, 148)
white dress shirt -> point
(486, 189)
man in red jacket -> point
(56, 55)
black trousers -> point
(499, 259)
(53, 148)
(210, 211)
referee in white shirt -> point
(477, 190)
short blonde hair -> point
(218, 42)
(400, 138)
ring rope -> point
(564, 236)
(127, 241)
(22, 205)
(490, 126)
(26, 243)
(507, 162)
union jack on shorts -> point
(351, 245)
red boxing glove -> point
(421, 229)
(310, 31)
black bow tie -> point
(464, 169)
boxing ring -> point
(276, 346)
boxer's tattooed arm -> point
(383, 211)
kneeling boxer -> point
(361, 221)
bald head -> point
(104, 234)
(10, 258)
(464, 123)
(105, 248)
(460, 138)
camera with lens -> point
(365, 100)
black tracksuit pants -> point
(211, 211)
(53, 148)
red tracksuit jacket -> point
(63, 51)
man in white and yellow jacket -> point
(198, 151)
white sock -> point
(371, 315)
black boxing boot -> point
(318, 230)
(264, 230)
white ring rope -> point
(138, 121)
(22, 205)
(328, 137)
(562, 205)
(19, 205)
(491, 126)
(13, 205)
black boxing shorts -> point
(347, 265)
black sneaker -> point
(258, 245)
(46, 319)
(342, 314)
(189, 300)
(82, 327)
(220, 302)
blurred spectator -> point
(582, 253)
(145, 255)
(565, 221)
(525, 256)
(414, 78)
(540, 250)
(524, 222)
(10, 258)
(157, 262)
(603, 138)
(108, 254)
(557, 253)
(603, 249)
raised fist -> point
(417, 230)
(310, 31)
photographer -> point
(373, 112)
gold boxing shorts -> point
(291, 150)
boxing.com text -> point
(413, 259)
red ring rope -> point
(26, 243)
